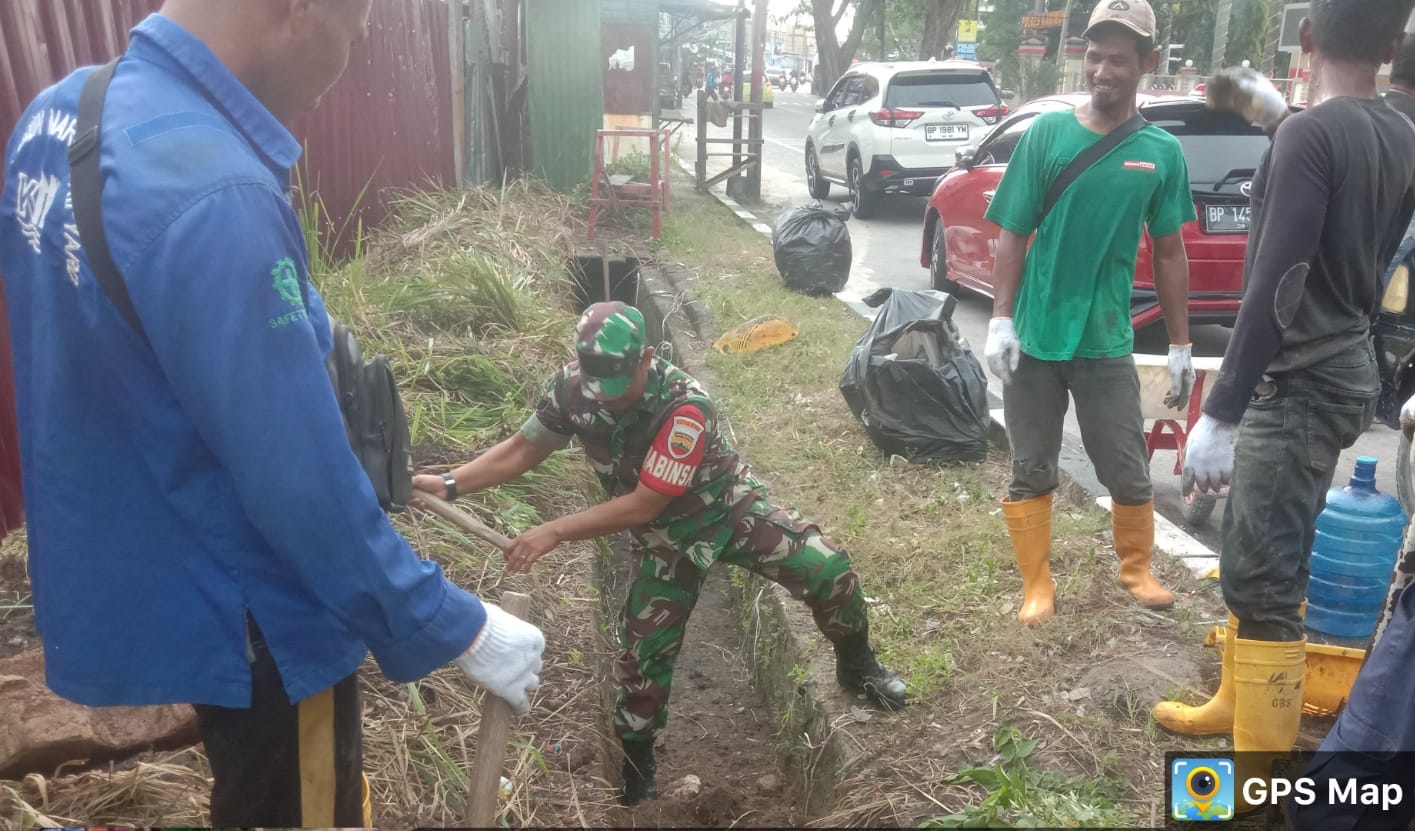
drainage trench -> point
(744, 718)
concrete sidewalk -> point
(1077, 472)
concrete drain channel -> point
(772, 638)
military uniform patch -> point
(684, 437)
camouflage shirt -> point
(716, 493)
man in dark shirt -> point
(1402, 79)
(1331, 199)
(1401, 96)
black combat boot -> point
(858, 671)
(638, 771)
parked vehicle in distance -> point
(1222, 151)
(893, 127)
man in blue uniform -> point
(201, 465)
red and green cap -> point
(609, 340)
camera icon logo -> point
(1201, 790)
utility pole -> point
(1225, 11)
(754, 127)
(738, 67)
(1061, 48)
(1275, 12)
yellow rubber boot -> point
(1214, 715)
(1267, 705)
(1134, 530)
(1029, 526)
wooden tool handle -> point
(445, 510)
(491, 740)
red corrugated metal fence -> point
(386, 126)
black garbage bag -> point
(915, 384)
(812, 247)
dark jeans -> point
(1107, 392)
(277, 764)
(1285, 456)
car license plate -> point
(1226, 219)
(946, 132)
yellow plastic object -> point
(756, 335)
(1331, 670)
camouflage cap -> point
(609, 340)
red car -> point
(1222, 152)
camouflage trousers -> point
(768, 541)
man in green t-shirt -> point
(1070, 299)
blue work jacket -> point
(174, 483)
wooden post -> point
(701, 167)
(491, 740)
(457, 60)
(754, 127)
(739, 68)
(510, 142)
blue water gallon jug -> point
(1358, 541)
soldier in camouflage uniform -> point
(672, 481)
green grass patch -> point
(1018, 796)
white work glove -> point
(1249, 93)
(1208, 456)
(1181, 376)
(1002, 349)
(1407, 417)
(505, 658)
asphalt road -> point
(886, 254)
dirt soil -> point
(17, 632)
(720, 731)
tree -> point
(835, 55)
(1193, 24)
(940, 27)
(1002, 37)
(915, 27)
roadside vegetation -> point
(468, 295)
(1058, 714)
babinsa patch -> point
(684, 437)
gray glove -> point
(505, 658)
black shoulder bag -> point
(374, 419)
(1086, 159)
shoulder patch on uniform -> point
(1139, 165)
(684, 437)
(287, 285)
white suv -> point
(894, 127)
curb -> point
(1079, 480)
